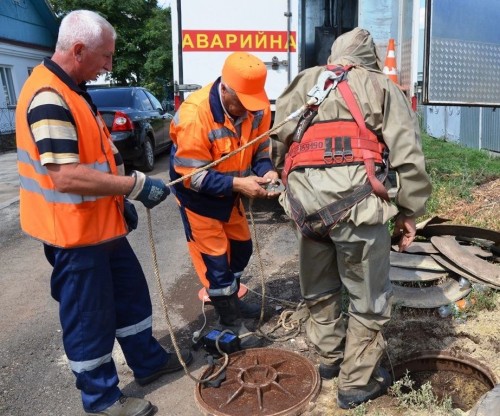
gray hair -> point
(82, 26)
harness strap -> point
(331, 214)
(377, 186)
(304, 123)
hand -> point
(406, 227)
(149, 191)
(271, 175)
(130, 214)
(272, 178)
(250, 186)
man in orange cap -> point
(212, 122)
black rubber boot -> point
(377, 386)
(230, 318)
(329, 371)
(249, 310)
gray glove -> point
(149, 191)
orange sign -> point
(237, 40)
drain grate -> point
(262, 382)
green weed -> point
(422, 399)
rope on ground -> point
(289, 320)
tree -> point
(143, 53)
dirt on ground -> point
(472, 334)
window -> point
(156, 104)
(145, 103)
(7, 86)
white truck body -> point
(286, 34)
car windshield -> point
(111, 98)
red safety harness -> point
(335, 143)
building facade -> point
(28, 33)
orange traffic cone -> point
(390, 62)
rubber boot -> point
(249, 310)
(230, 318)
(361, 379)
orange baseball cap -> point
(246, 75)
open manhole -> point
(463, 379)
(262, 382)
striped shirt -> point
(53, 125)
(53, 128)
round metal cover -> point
(262, 382)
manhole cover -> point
(262, 382)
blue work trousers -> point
(103, 294)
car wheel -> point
(148, 156)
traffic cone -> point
(390, 68)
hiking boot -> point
(128, 406)
(347, 399)
(249, 310)
(172, 365)
(329, 371)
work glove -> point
(131, 217)
(148, 190)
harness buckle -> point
(328, 154)
(327, 81)
(348, 155)
(339, 150)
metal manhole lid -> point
(262, 382)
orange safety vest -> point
(56, 218)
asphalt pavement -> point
(9, 179)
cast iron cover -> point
(262, 382)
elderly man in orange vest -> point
(72, 199)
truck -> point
(288, 35)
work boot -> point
(128, 406)
(230, 318)
(329, 371)
(376, 387)
(172, 365)
(249, 310)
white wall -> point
(19, 59)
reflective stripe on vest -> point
(57, 218)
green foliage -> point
(455, 170)
(448, 161)
(420, 399)
(143, 53)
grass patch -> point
(466, 186)
(422, 399)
